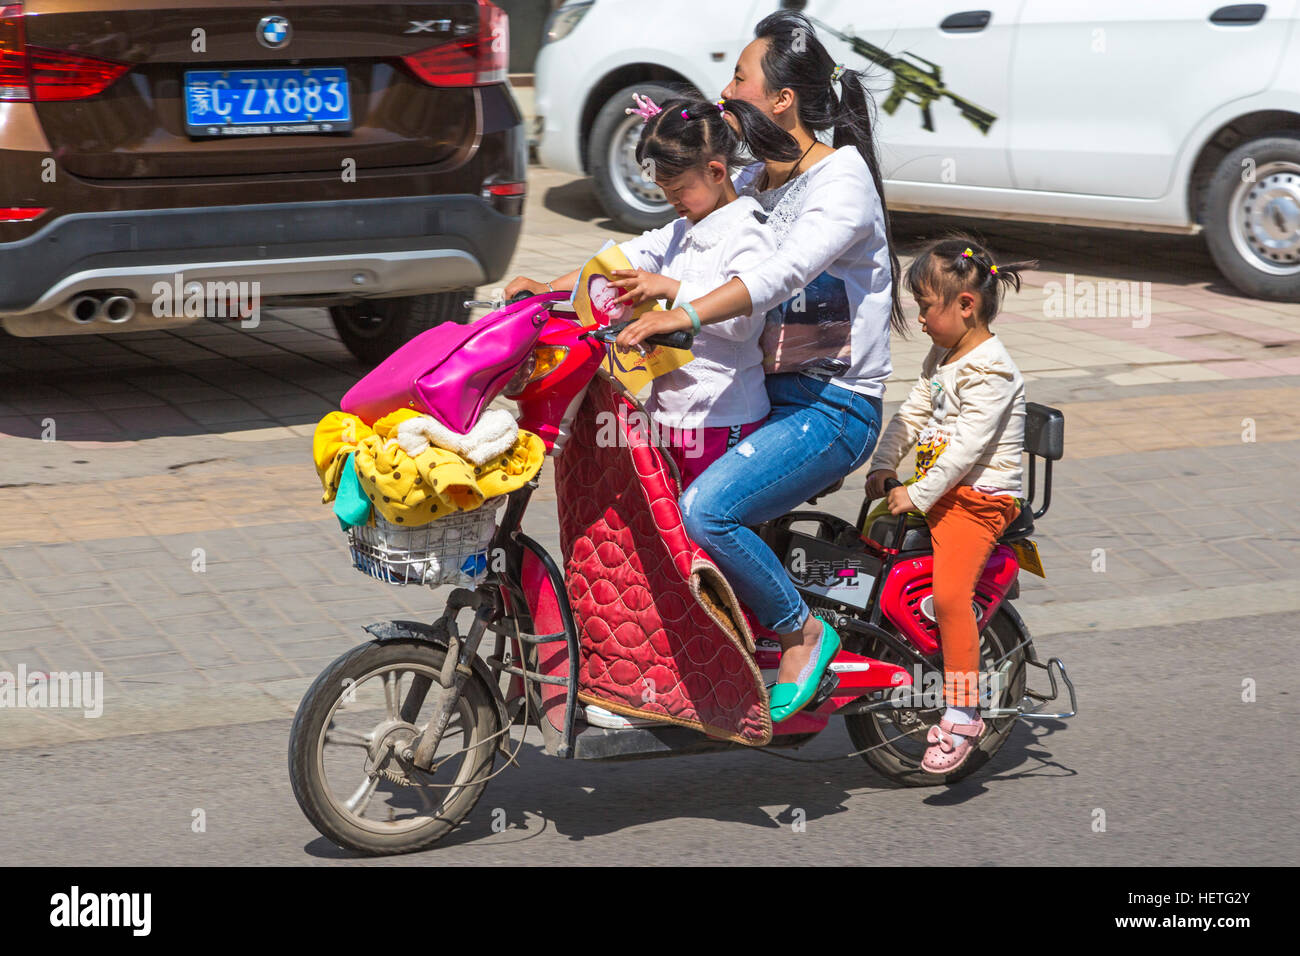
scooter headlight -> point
(544, 360)
(520, 378)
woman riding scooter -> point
(831, 295)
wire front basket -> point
(449, 550)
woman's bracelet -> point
(693, 315)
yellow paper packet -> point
(593, 303)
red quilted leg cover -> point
(662, 634)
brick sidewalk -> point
(1182, 441)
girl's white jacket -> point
(724, 384)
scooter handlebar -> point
(673, 340)
(900, 529)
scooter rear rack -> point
(1033, 699)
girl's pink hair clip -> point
(645, 107)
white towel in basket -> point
(493, 436)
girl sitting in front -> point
(719, 397)
(966, 417)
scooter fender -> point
(1022, 629)
(386, 631)
(907, 597)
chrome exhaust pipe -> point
(117, 309)
(82, 309)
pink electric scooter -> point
(395, 741)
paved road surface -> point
(1185, 772)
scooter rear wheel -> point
(347, 743)
(897, 753)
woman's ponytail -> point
(766, 142)
(855, 121)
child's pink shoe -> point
(943, 755)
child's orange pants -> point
(964, 525)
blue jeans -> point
(817, 434)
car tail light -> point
(472, 61)
(31, 74)
(506, 198)
(21, 213)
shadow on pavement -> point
(575, 200)
(1021, 756)
(1119, 254)
(582, 799)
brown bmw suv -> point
(160, 162)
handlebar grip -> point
(673, 340)
(900, 529)
(890, 485)
(520, 296)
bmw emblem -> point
(274, 32)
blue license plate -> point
(267, 102)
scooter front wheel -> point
(897, 737)
(350, 742)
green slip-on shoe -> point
(787, 699)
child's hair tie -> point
(645, 107)
(686, 114)
(968, 254)
(837, 72)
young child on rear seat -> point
(712, 402)
(966, 417)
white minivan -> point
(1159, 115)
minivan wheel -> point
(374, 329)
(626, 196)
(1252, 217)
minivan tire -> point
(375, 329)
(623, 193)
(1228, 215)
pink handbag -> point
(451, 372)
